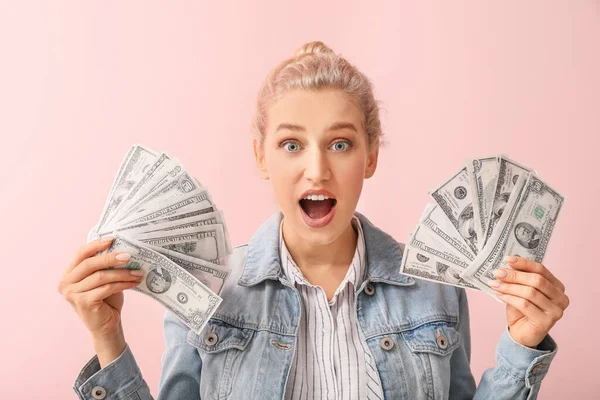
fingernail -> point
(499, 295)
(500, 273)
(123, 257)
(107, 239)
(510, 259)
(494, 283)
(136, 272)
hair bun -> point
(312, 48)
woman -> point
(316, 306)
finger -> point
(104, 277)
(96, 263)
(102, 292)
(534, 280)
(536, 297)
(524, 264)
(536, 316)
(88, 250)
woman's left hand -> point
(535, 299)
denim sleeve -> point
(122, 379)
(517, 375)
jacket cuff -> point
(525, 363)
(116, 380)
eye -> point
(290, 146)
(342, 145)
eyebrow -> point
(333, 127)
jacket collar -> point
(384, 254)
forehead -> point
(313, 110)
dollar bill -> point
(169, 284)
(508, 173)
(438, 224)
(429, 245)
(482, 174)
(212, 218)
(92, 234)
(161, 211)
(454, 198)
(136, 161)
(155, 184)
(130, 230)
(523, 230)
(211, 275)
(416, 263)
(161, 166)
(182, 185)
(205, 242)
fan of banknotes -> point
(490, 208)
(163, 216)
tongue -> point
(317, 209)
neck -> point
(309, 256)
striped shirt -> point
(332, 359)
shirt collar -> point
(263, 259)
(356, 271)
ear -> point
(259, 155)
(372, 160)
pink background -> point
(82, 81)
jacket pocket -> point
(438, 337)
(223, 349)
(432, 345)
(219, 336)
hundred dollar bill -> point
(136, 161)
(434, 220)
(429, 245)
(205, 242)
(130, 230)
(508, 174)
(482, 174)
(523, 230)
(166, 282)
(211, 275)
(155, 184)
(454, 198)
(419, 265)
(161, 211)
(212, 218)
(92, 234)
(161, 166)
(183, 215)
(182, 185)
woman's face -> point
(307, 147)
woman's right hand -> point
(96, 294)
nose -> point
(317, 168)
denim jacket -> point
(417, 331)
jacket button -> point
(369, 289)
(442, 341)
(98, 393)
(210, 339)
(387, 343)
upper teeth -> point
(315, 197)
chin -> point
(320, 238)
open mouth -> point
(317, 209)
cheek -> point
(282, 178)
(282, 171)
(352, 174)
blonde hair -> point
(315, 66)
